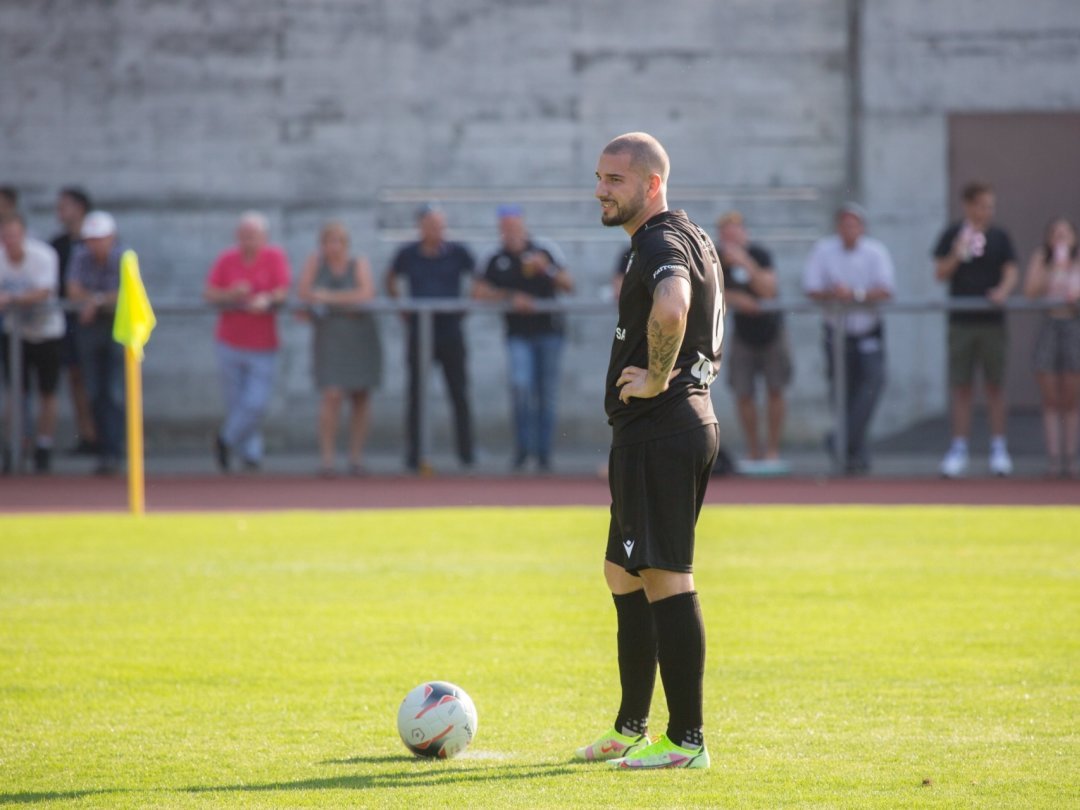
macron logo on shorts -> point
(629, 546)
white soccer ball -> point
(437, 719)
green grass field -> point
(858, 657)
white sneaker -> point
(1000, 462)
(955, 463)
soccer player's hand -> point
(635, 382)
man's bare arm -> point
(666, 328)
(664, 334)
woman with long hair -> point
(1054, 273)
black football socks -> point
(681, 653)
(637, 661)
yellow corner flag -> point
(132, 327)
(134, 316)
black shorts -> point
(657, 488)
(41, 359)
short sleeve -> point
(397, 266)
(1008, 252)
(491, 275)
(553, 251)
(282, 272)
(50, 268)
(814, 274)
(468, 263)
(944, 243)
(663, 266)
(75, 265)
(761, 256)
(886, 275)
(217, 277)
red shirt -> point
(269, 271)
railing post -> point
(839, 364)
(425, 347)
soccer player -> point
(664, 356)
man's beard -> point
(621, 214)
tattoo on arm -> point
(664, 339)
(663, 349)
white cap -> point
(853, 208)
(98, 224)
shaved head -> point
(646, 154)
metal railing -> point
(426, 309)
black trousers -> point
(102, 362)
(449, 353)
(864, 361)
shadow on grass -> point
(57, 796)
(424, 774)
(372, 760)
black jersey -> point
(667, 245)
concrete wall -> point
(178, 115)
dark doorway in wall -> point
(1033, 162)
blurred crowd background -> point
(177, 117)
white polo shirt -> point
(38, 270)
(866, 266)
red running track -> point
(269, 492)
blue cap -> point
(509, 210)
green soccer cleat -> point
(663, 754)
(611, 745)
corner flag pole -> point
(132, 327)
(136, 477)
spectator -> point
(434, 268)
(347, 356)
(523, 271)
(248, 281)
(760, 347)
(1054, 273)
(93, 283)
(72, 206)
(977, 259)
(850, 267)
(28, 278)
(9, 206)
(9, 201)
